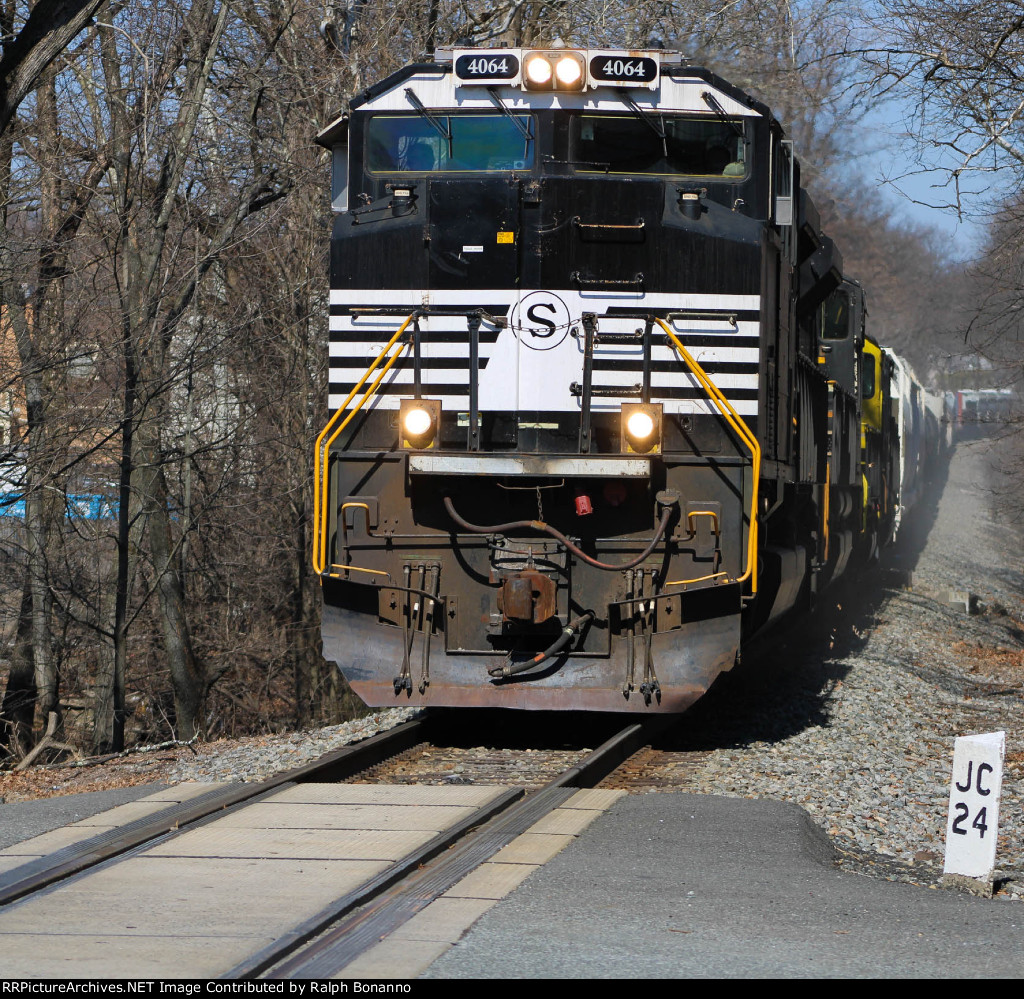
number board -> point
(624, 69)
(482, 66)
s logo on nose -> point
(541, 320)
(531, 314)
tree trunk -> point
(188, 678)
(18, 707)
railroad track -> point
(324, 943)
(335, 766)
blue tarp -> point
(76, 507)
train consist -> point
(602, 400)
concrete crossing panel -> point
(532, 848)
(286, 815)
(51, 842)
(323, 844)
(112, 956)
(598, 798)
(186, 791)
(491, 881)
(174, 897)
(123, 814)
(200, 902)
(388, 794)
(8, 863)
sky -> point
(915, 194)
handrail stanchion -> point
(473, 433)
(746, 436)
(323, 443)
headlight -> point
(641, 428)
(569, 71)
(555, 70)
(416, 422)
(419, 421)
(538, 70)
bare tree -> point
(50, 27)
(957, 67)
(174, 219)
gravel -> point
(256, 759)
(250, 758)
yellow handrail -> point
(827, 514)
(743, 432)
(716, 529)
(356, 568)
(365, 507)
(321, 465)
(699, 579)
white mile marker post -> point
(972, 826)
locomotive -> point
(602, 404)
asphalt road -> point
(24, 819)
(690, 886)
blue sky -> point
(911, 188)
(963, 236)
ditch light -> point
(641, 427)
(419, 421)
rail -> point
(342, 417)
(340, 764)
(743, 432)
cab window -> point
(692, 147)
(835, 317)
(867, 381)
(448, 143)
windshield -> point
(452, 143)
(835, 320)
(867, 376)
(697, 147)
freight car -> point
(979, 412)
(596, 385)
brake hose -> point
(668, 498)
(507, 669)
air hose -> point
(567, 635)
(667, 498)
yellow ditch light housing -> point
(641, 428)
(418, 422)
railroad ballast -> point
(602, 402)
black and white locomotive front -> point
(567, 308)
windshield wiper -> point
(504, 109)
(654, 123)
(712, 102)
(443, 130)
